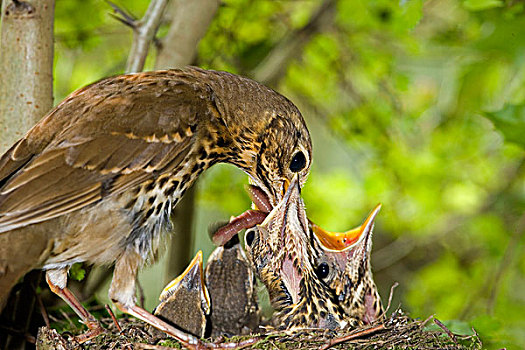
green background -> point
(414, 104)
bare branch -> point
(189, 23)
(144, 31)
(444, 328)
(108, 309)
(354, 335)
(394, 286)
(125, 18)
(43, 310)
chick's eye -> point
(298, 162)
(250, 235)
(322, 270)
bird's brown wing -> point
(109, 145)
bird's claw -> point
(94, 330)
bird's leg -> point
(57, 281)
(122, 293)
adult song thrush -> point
(96, 179)
(314, 278)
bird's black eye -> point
(298, 162)
(322, 270)
(250, 235)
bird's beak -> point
(192, 278)
(285, 229)
(286, 185)
(341, 241)
(292, 193)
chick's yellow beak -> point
(192, 276)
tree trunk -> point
(26, 94)
(26, 67)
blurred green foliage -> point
(418, 105)
(77, 272)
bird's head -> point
(260, 131)
(342, 262)
(310, 282)
(285, 152)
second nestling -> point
(220, 300)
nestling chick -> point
(310, 284)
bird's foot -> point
(58, 277)
(94, 329)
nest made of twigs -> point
(395, 332)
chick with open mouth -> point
(315, 278)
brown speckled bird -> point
(342, 261)
(96, 179)
(315, 279)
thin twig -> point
(127, 19)
(55, 319)
(115, 321)
(394, 286)
(142, 346)
(71, 323)
(142, 298)
(355, 335)
(43, 310)
(443, 327)
(424, 323)
(110, 312)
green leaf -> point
(510, 120)
(77, 272)
(479, 5)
